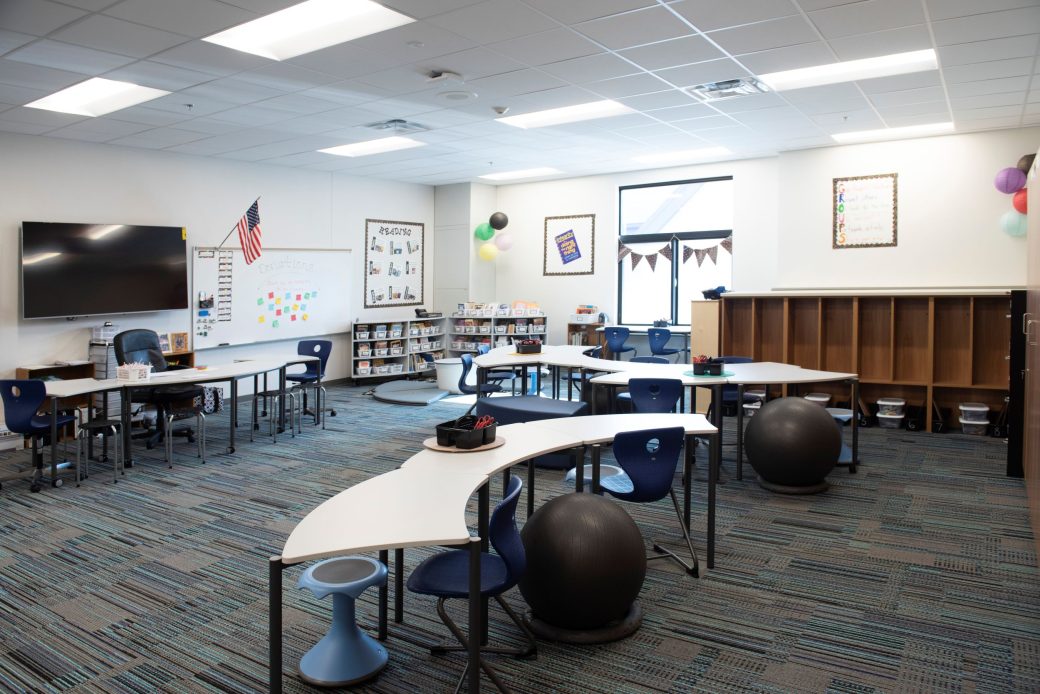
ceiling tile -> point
(231, 89)
(517, 82)
(788, 58)
(184, 105)
(915, 80)
(536, 101)
(750, 103)
(898, 110)
(414, 42)
(591, 68)
(10, 40)
(475, 63)
(36, 17)
(664, 99)
(631, 85)
(849, 121)
(1010, 111)
(90, 5)
(208, 126)
(693, 109)
(159, 138)
(195, 18)
(983, 51)
(51, 119)
(285, 77)
(987, 100)
(702, 73)
(908, 96)
(709, 15)
(947, 9)
(159, 76)
(992, 86)
(867, 16)
(901, 40)
(298, 103)
(117, 36)
(421, 9)
(65, 56)
(765, 35)
(666, 54)
(635, 28)
(251, 115)
(494, 20)
(13, 94)
(546, 47)
(574, 11)
(106, 128)
(22, 128)
(148, 116)
(208, 57)
(36, 77)
(991, 25)
(994, 69)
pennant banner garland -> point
(688, 252)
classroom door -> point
(1031, 327)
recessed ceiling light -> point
(851, 70)
(383, 144)
(96, 97)
(309, 26)
(522, 173)
(567, 114)
(456, 96)
(682, 155)
(895, 133)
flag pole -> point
(221, 244)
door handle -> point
(1025, 323)
(1030, 339)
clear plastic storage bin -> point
(891, 406)
(969, 426)
(974, 412)
(820, 399)
(890, 421)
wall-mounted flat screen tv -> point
(93, 269)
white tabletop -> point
(773, 372)
(522, 442)
(81, 386)
(677, 371)
(402, 508)
(594, 429)
(571, 356)
(209, 374)
(642, 329)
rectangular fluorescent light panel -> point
(851, 70)
(96, 97)
(682, 155)
(383, 144)
(522, 173)
(894, 133)
(567, 114)
(308, 27)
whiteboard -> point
(286, 294)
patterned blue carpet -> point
(917, 574)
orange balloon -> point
(1019, 201)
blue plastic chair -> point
(313, 348)
(649, 459)
(654, 395)
(485, 389)
(345, 655)
(494, 376)
(616, 337)
(445, 576)
(625, 397)
(574, 376)
(729, 393)
(658, 338)
(22, 400)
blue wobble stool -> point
(345, 655)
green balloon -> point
(484, 231)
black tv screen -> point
(93, 269)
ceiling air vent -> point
(728, 89)
(398, 126)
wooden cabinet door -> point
(1031, 444)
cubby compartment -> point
(991, 328)
(737, 327)
(769, 330)
(911, 345)
(836, 353)
(875, 338)
(949, 400)
(803, 333)
(951, 364)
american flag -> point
(249, 234)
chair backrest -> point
(654, 395)
(594, 352)
(315, 348)
(483, 348)
(729, 393)
(649, 360)
(648, 458)
(139, 346)
(467, 364)
(616, 337)
(658, 338)
(22, 399)
(504, 536)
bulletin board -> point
(288, 293)
(393, 263)
(569, 245)
(865, 211)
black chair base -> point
(663, 553)
(612, 631)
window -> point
(659, 221)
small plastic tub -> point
(821, 399)
(756, 393)
(974, 412)
(752, 408)
(969, 426)
(891, 406)
(890, 421)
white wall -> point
(949, 214)
(43, 179)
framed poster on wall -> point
(865, 211)
(569, 245)
(393, 263)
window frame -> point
(672, 238)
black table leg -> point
(274, 624)
(483, 514)
(713, 476)
(399, 585)
(476, 615)
(854, 406)
(530, 487)
(579, 471)
(233, 419)
(740, 431)
(384, 557)
(596, 452)
(688, 453)
(54, 441)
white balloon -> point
(504, 241)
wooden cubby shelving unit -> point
(936, 348)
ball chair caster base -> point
(787, 489)
(613, 631)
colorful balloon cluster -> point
(1012, 181)
(503, 242)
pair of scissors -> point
(484, 421)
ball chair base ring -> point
(613, 631)
(788, 489)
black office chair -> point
(140, 346)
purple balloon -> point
(1010, 180)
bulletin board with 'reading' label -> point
(286, 294)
